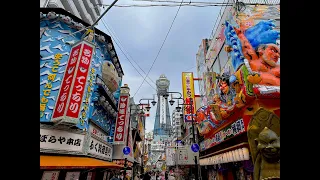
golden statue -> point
(264, 142)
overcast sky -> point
(141, 32)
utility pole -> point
(194, 140)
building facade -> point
(201, 69)
(240, 93)
(80, 80)
(87, 10)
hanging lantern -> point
(241, 154)
(228, 156)
(238, 154)
(234, 156)
(231, 156)
(224, 156)
(246, 153)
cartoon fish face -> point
(51, 15)
(101, 38)
(67, 20)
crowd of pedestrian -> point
(148, 176)
(155, 176)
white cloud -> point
(142, 31)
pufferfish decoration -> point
(52, 15)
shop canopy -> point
(69, 162)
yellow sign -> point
(188, 95)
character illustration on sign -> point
(206, 121)
(264, 142)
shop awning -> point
(69, 162)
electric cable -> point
(214, 26)
(116, 37)
(126, 56)
(159, 49)
(167, 5)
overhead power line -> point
(116, 37)
(168, 5)
(160, 48)
(124, 53)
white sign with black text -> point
(186, 155)
(72, 176)
(96, 132)
(61, 140)
(100, 149)
(50, 175)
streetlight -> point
(153, 102)
(178, 108)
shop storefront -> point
(243, 95)
(70, 154)
(74, 167)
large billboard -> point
(188, 95)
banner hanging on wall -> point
(188, 95)
(122, 119)
(71, 93)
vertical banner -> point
(188, 94)
(70, 96)
(121, 123)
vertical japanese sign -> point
(121, 120)
(69, 99)
(188, 95)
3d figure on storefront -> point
(205, 120)
(264, 142)
(89, 36)
(224, 102)
(263, 56)
(256, 46)
(267, 163)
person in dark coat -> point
(146, 176)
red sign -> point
(80, 81)
(121, 120)
(71, 92)
(65, 87)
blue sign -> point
(195, 147)
(126, 150)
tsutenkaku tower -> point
(162, 121)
